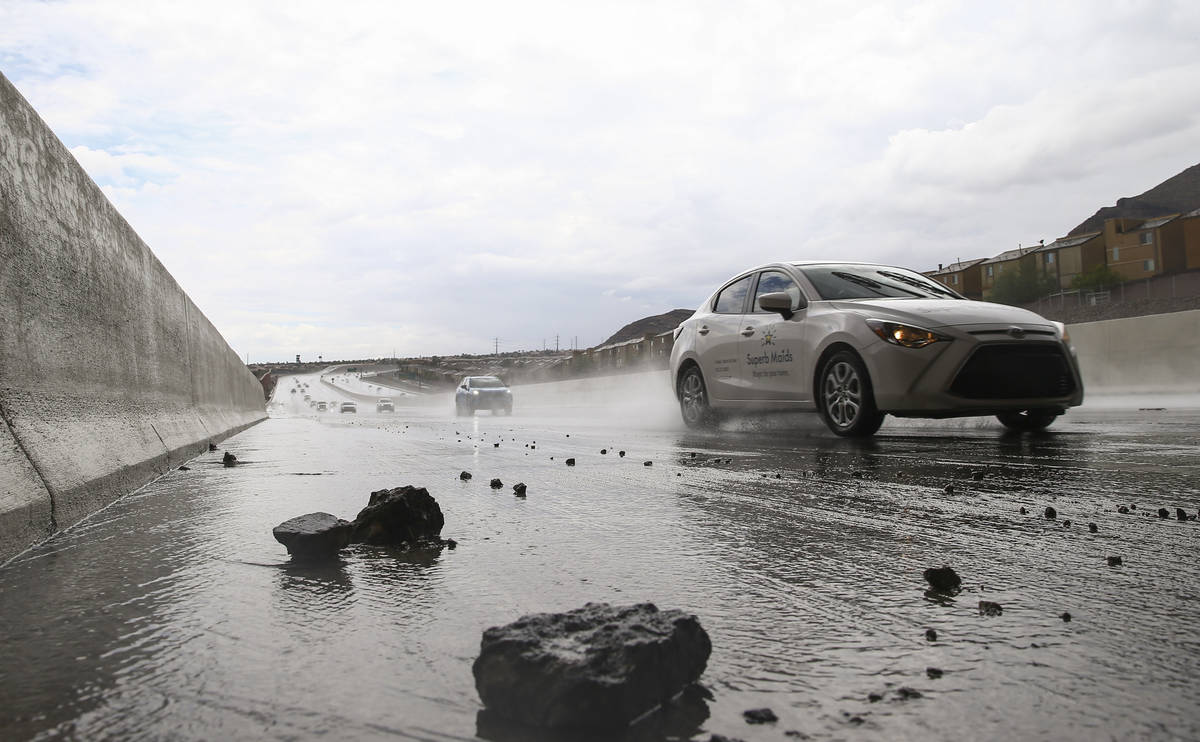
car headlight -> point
(475, 392)
(906, 336)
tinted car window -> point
(772, 281)
(732, 298)
(873, 281)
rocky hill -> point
(1179, 193)
(659, 323)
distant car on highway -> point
(855, 342)
(385, 405)
(348, 406)
(482, 393)
(322, 406)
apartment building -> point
(962, 276)
(1067, 257)
(1190, 226)
(992, 268)
(1134, 248)
(1142, 248)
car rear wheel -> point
(845, 398)
(1025, 421)
(693, 400)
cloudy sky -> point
(356, 178)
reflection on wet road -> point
(174, 614)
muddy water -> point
(174, 614)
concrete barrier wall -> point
(1157, 353)
(109, 374)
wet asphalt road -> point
(173, 614)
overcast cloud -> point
(355, 178)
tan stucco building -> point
(1067, 257)
(962, 276)
(1141, 248)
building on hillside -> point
(1067, 257)
(1142, 248)
(963, 277)
(992, 268)
(1189, 224)
(648, 351)
(660, 348)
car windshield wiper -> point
(872, 284)
(934, 289)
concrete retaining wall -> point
(1157, 353)
(109, 374)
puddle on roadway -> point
(175, 614)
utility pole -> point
(556, 343)
(497, 348)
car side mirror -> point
(778, 301)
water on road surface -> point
(174, 614)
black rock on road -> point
(597, 666)
(313, 536)
(404, 515)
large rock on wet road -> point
(596, 666)
(404, 515)
(313, 536)
(942, 579)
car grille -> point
(1015, 371)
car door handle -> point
(703, 330)
(748, 331)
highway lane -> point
(175, 614)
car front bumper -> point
(973, 376)
(485, 401)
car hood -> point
(944, 312)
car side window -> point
(771, 281)
(732, 299)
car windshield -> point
(850, 281)
(486, 382)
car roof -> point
(493, 378)
(810, 263)
(805, 263)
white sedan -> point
(855, 342)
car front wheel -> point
(693, 400)
(846, 400)
(1027, 421)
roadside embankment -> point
(109, 374)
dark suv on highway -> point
(482, 393)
